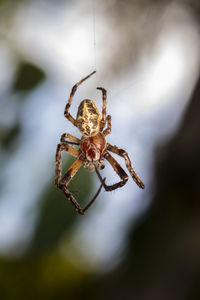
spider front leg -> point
(64, 182)
(104, 97)
(118, 169)
(73, 91)
(73, 140)
(63, 146)
(128, 163)
(108, 129)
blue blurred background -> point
(132, 243)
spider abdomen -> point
(88, 118)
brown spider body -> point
(93, 148)
(88, 118)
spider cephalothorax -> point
(93, 147)
(92, 150)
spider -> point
(93, 147)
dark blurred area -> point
(162, 257)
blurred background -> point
(132, 243)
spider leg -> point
(108, 129)
(75, 140)
(104, 96)
(128, 163)
(71, 198)
(118, 169)
(73, 91)
(63, 146)
(66, 180)
(62, 183)
(95, 196)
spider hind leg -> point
(118, 169)
(63, 146)
(63, 186)
(128, 163)
(64, 182)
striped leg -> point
(118, 169)
(64, 146)
(73, 91)
(104, 96)
(73, 140)
(128, 163)
(108, 129)
(63, 183)
(66, 180)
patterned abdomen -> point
(88, 118)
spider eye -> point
(102, 167)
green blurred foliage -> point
(56, 213)
(28, 77)
(8, 135)
(47, 276)
(43, 272)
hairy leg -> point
(104, 96)
(95, 196)
(118, 169)
(73, 91)
(128, 163)
(64, 146)
(108, 129)
(73, 140)
(63, 183)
